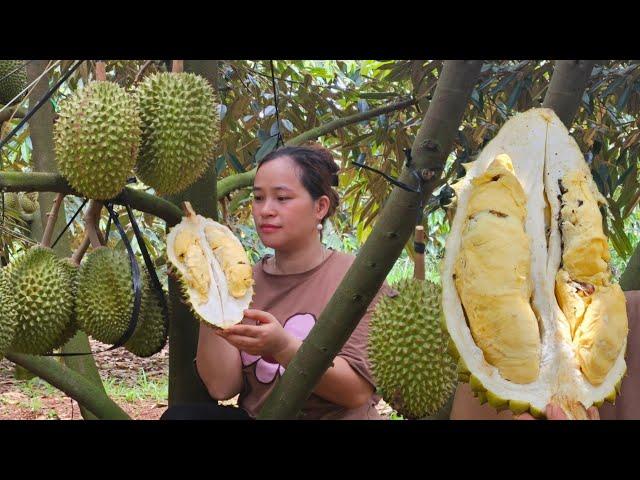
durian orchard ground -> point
(138, 385)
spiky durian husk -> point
(43, 289)
(408, 350)
(72, 327)
(105, 295)
(179, 130)
(151, 332)
(97, 137)
(8, 313)
(14, 82)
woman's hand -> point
(554, 412)
(266, 339)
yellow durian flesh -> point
(233, 260)
(492, 274)
(189, 251)
(594, 307)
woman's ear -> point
(322, 207)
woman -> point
(293, 197)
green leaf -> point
(267, 147)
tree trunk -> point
(630, 278)
(184, 385)
(381, 250)
(43, 160)
(566, 87)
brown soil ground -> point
(19, 402)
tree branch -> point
(382, 248)
(566, 87)
(242, 180)
(71, 383)
(51, 182)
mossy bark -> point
(184, 384)
(566, 87)
(381, 250)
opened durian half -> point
(212, 267)
(528, 296)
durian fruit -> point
(105, 295)
(212, 268)
(97, 137)
(407, 348)
(72, 328)
(528, 296)
(11, 201)
(179, 130)
(43, 290)
(28, 203)
(13, 79)
(151, 333)
(106, 300)
(8, 312)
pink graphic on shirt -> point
(298, 325)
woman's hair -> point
(317, 170)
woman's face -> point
(285, 215)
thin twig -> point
(101, 71)
(144, 66)
(52, 218)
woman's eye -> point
(282, 199)
(257, 198)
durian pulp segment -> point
(232, 258)
(207, 306)
(233, 307)
(591, 307)
(492, 274)
(522, 139)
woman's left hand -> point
(266, 339)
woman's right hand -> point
(555, 412)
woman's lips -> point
(268, 228)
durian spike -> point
(188, 210)
(418, 260)
(177, 66)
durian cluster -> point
(47, 299)
(25, 204)
(164, 131)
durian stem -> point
(382, 248)
(418, 268)
(242, 180)
(566, 87)
(52, 182)
(85, 392)
(52, 218)
(177, 66)
(81, 250)
(101, 71)
(91, 219)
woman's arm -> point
(340, 384)
(219, 365)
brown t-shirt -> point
(297, 301)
